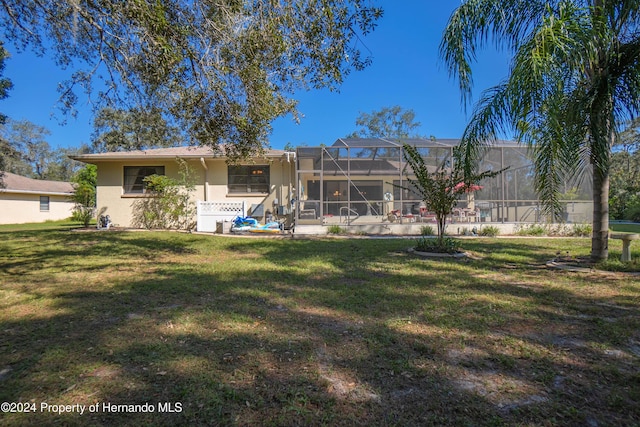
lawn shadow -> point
(321, 332)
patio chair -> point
(458, 214)
(426, 216)
(472, 215)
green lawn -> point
(280, 332)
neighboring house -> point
(25, 200)
(264, 183)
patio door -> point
(336, 196)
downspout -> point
(292, 194)
(206, 179)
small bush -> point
(489, 231)
(336, 229)
(531, 230)
(581, 230)
(557, 230)
(448, 245)
(83, 214)
(427, 230)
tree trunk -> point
(600, 236)
(601, 117)
(442, 223)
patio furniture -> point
(458, 214)
(426, 216)
(308, 214)
(472, 215)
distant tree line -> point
(624, 196)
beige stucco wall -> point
(281, 184)
(18, 208)
(211, 185)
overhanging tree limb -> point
(221, 70)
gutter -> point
(42, 193)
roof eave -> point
(42, 193)
(93, 158)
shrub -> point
(427, 230)
(336, 229)
(581, 230)
(531, 230)
(168, 204)
(577, 230)
(557, 230)
(446, 245)
(489, 231)
(83, 214)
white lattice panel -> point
(210, 213)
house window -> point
(134, 177)
(248, 179)
(44, 203)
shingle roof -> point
(158, 153)
(12, 183)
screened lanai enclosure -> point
(364, 181)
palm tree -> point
(574, 79)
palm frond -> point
(574, 79)
(478, 22)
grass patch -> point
(65, 224)
(264, 331)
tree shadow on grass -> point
(355, 336)
(64, 251)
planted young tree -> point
(440, 189)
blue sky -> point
(406, 71)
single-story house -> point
(354, 182)
(25, 199)
(263, 185)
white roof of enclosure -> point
(416, 142)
